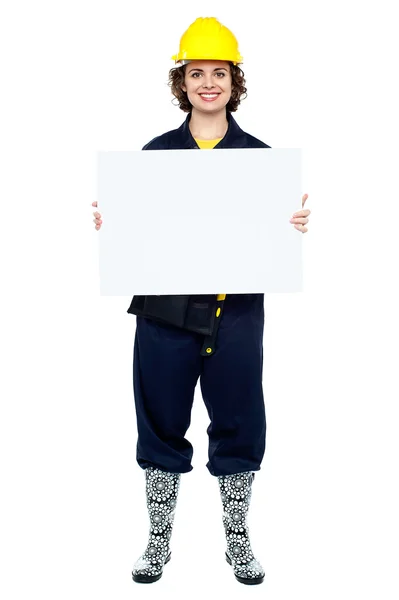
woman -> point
(217, 339)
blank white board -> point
(206, 222)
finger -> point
(300, 220)
(301, 228)
(302, 213)
(94, 204)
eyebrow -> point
(217, 69)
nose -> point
(208, 83)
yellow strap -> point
(221, 296)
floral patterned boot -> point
(236, 491)
(162, 488)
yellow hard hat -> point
(208, 39)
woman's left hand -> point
(300, 217)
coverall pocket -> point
(171, 309)
(200, 315)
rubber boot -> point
(236, 491)
(162, 488)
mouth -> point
(209, 97)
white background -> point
(82, 76)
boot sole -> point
(150, 578)
(247, 581)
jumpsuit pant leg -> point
(166, 367)
(231, 384)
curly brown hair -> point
(176, 79)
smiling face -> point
(208, 84)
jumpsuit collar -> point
(233, 132)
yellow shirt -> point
(208, 145)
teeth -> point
(209, 95)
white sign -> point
(187, 222)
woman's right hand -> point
(97, 219)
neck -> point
(207, 126)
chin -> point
(210, 106)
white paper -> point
(199, 222)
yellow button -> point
(209, 350)
(218, 312)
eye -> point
(218, 73)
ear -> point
(183, 87)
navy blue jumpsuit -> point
(167, 364)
